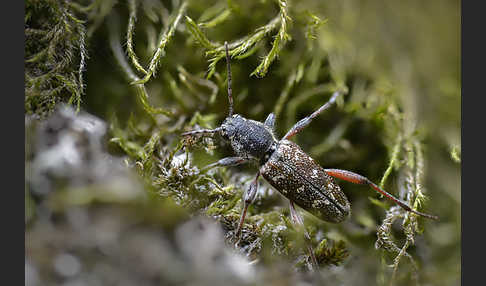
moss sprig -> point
(241, 47)
(199, 35)
(280, 40)
(247, 45)
(394, 157)
(164, 40)
(132, 7)
(141, 91)
(411, 178)
(218, 19)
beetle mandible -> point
(287, 167)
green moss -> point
(333, 253)
(55, 56)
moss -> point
(331, 254)
(55, 56)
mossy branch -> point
(119, 55)
(132, 7)
(199, 35)
(164, 39)
(411, 185)
(280, 40)
(56, 54)
(82, 63)
(220, 18)
(417, 197)
(313, 24)
(393, 160)
(240, 47)
(386, 242)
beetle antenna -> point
(230, 91)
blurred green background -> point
(398, 123)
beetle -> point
(287, 167)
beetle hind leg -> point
(358, 179)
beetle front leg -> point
(248, 198)
(227, 162)
(298, 221)
(358, 179)
(201, 132)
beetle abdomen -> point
(299, 178)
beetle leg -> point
(248, 198)
(297, 219)
(202, 131)
(305, 121)
(270, 121)
(358, 179)
(226, 162)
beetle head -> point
(230, 125)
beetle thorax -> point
(248, 138)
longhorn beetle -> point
(287, 168)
